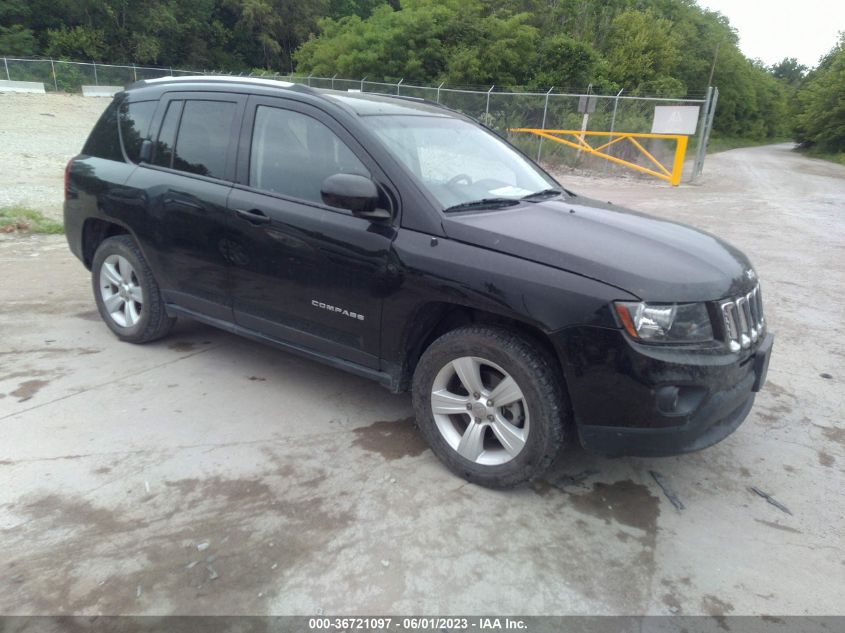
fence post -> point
(309, 79)
(713, 101)
(335, 75)
(134, 73)
(53, 69)
(613, 121)
(702, 125)
(585, 119)
(362, 84)
(487, 107)
(543, 126)
(6, 64)
(615, 106)
(96, 80)
(438, 90)
(399, 84)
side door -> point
(184, 188)
(306, 273)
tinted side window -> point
(104, 141)
(204, 137)
(293, 153)
(135, 125)
(166, 140)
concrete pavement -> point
(207, 474)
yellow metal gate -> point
(576, 139)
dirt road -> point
(209, 474)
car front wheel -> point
(490, 404)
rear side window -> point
(135, 121)
(203, 138)
(292, 154)
(104, 141)
(167, 135)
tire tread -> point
(159, 323)
(539, 363)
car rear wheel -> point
(490, 404)
(126, 292)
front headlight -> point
(666, 322)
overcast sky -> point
(774, 29)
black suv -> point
(404, 242)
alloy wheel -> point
(480, 411)
(121, 291)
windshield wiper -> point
(545, 193)
(484, 203)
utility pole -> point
(713, 67)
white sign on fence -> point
(675, 120)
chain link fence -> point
(499, 110)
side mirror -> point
(355, 193)
(145, 154)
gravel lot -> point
(209, 474)
(38, 134)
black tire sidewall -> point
(537, 380)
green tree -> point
(820, 120)
(642, 52)
(260, 20)
(497, 51)
(17, 40)
(566, 63)
(415, 43)
(752, 103)
(78, 42)
(789, 71)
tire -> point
(127, 295)
(457, 424)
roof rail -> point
(234, 79)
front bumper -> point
(634, 399)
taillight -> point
(67, 178)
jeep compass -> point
(402, 241)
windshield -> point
(458, 162)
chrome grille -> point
(744, 320)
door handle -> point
(253, 216)
(183, 201)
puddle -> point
(624, 502)
(28, 388)
(391, 439)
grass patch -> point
(833, 157)
(19, 219)
(724, 143)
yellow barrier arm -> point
(673, 177)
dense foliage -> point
(820, 104)
(220, 34)
(648, 47)
(652, 47)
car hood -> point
(656, 260)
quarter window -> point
(104, 141)
(293, 153)
(135, 121)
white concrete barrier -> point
(22, 86)
(100, 91)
